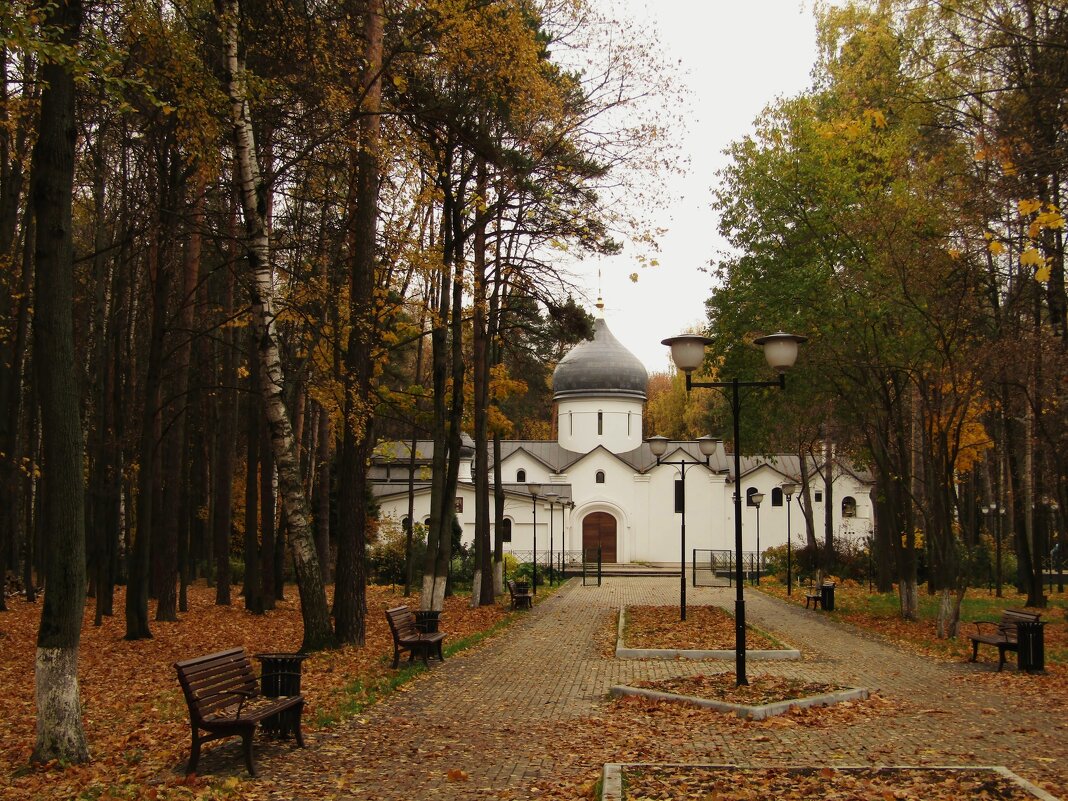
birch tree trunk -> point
(314, 609)
(60, 733)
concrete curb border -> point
(743, 710)
(612, 774)
(691, 653)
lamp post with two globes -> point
(658, 445)
(688, 353)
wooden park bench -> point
(1003, 633)
(814, 595)
(522, 597)
(407, 637)
(224, 699)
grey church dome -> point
(600, 366)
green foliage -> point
(511, 564)
(386, 556)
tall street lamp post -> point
(688, 353)
(658, 445)
(535, 491)
(756, 498)
(788, 489)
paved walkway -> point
(504, 714)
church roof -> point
(598, 367)
(557, 459)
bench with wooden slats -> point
(224, 699)
(1003, 635)
(407, 637)
(522, 597)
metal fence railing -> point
(591, 567)
(553, 565)
(710, 568)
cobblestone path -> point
(502, 713)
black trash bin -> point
(426, 620)
(827, 597)
(279, 677)
(1031, 645)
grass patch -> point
(881, 612)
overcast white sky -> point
(736, 56)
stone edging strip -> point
(742, 710)
(612, 775)
(692, 653)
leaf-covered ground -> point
(880, 613)
(135, 717)
(661, 784)
(707, 628)
(722, 687)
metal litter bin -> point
(1031, 645)
(827, 597)
(280, 677)
(426, 620)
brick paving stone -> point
(472, 712)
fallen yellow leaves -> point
(135, 718)
(705, 627)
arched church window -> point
(599, 478)
(506, 530)
(600, 423)
(849, 506)
(749, 493)
(776, 496)
(520, 476)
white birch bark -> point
(59, 708)
(314, 609)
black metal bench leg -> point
(246, 742)
(975, 650)
(194, 755)
(1001, 658)
(296, 725)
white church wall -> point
(620, 428)
(519, 467)
(773, 519)
(662, 541)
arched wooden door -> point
(599, 528)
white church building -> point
(599, 485)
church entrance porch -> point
(599, 529)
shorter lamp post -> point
(658, 445)
(535, 491)
(1051, 525)
(1000, 525)
(565, 522)
(552, 495)
(788, 489)
(756, 499)
(986, 509)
